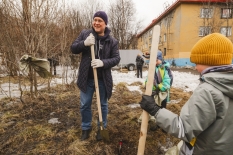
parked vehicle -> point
(128, 59)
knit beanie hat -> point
(102, 15)
(214, 49)
(159, 55)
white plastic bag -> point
(175, 149)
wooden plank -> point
(149, 86)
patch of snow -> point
(175, 101)
(53, 121)
(186, 81)
(134, 88)
(134, 105)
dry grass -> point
(24, 128)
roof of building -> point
(171, 8)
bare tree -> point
(27, 27)
(122, 22)
(8, 39)
(46, 29)
(87, 9)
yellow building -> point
(183, 24)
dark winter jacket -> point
(109, 55)
(139, 61)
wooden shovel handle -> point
(96, 86)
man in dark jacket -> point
(139, 64)
(106, 57)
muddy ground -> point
(24, 127)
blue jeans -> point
(86, 101)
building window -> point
(225, 31)
(164, 37)
(226, 13)
(204, 30)
(165, 52)
(160, 39)
(150, 33)
(206, 12)
(165, 22)
(150, 40)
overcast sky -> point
(147, 10)
(151, 9)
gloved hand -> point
(97, 63)
(148, 104)
(90, 40)
(157, 90)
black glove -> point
(148, 104)
(155, 92)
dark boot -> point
(85, 134)
(98, 136)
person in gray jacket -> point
(205, 123)
(106, 56)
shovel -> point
(104, 133)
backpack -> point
(170, 74)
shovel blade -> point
(105, 135)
